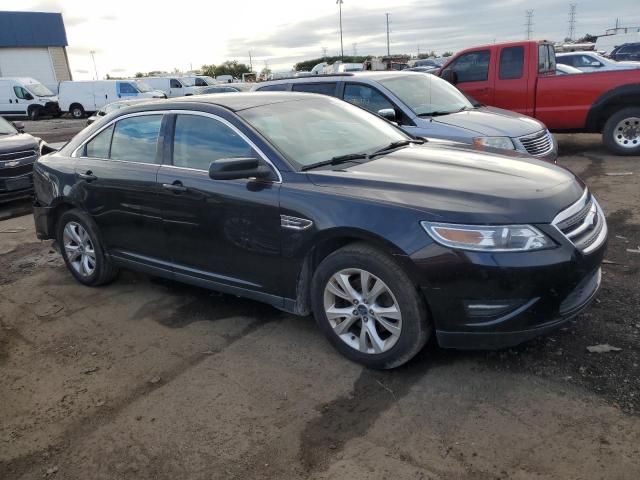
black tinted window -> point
(135, 139)
(365, 97)
(511, 62)
(99, 146)
(280, 87)
(200, 140)
(328, 88)
(472, 66)
(175, 83)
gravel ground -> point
(149, 379)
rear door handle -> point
(88, 176)
(175, 187)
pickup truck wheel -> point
(621, 133)
(368, 308)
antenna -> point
(529, 24)
(572, 20)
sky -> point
(130, 36)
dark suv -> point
(626, 52)
(18, 152)
(314, 205)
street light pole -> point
(95, 69)
(339, 3)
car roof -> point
(374, 75)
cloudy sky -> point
(139, 35)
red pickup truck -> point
(521, 76)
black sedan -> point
(317, 206)
(18, 152)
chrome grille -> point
(537, 144)
(583, 223)
(17, 155)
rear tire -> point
(381, 325)
(76, 111)
(621, 133)
(84, 255)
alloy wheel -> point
(79, 249)
(362, 311)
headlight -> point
(488, 238)
(494, 142)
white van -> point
(79, 98)
(26, 97)
(171, 86)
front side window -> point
(21, 93)
(511, 63)
(326, 88)
(175, 83)
(472, 66)
(127, 88)
(135, 139)
(199, 140)
(280, 87)
(99, 146)
(200, 82)
(366, 97)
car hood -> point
(15, 143)
(459, 185)
(492, 122)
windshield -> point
(315, 130)
(6, 128)
(39, 90)
(143, 86)
(208, 80)
(188, 81)
(426, 94)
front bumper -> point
(14, 188)
(52, 108)
(484, 300)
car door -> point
(116, 175)
(126, 90)
(221, 231)
(509, 80)
(19, 100)
(175, 88)
(472, 70)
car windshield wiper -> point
(337, 160)
(394, 145)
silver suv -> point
(427, 106)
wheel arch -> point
(609, 103)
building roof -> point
(32, 29)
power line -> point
(572, 20)
(388, 49)
(529, 24)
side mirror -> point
(19, 126)
(450, 76)
(388, 113)
(240, 167)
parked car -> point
(625, 52)
(171, 86)
(562, 69)
(87, 96)
(427, 106)
(593, 61)
(18, 152)
(226, 88)
(113, 106)
(315, 205)
(26, 97)
(520, 76)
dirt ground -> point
(149, 379)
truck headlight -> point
(494, 142)
(488, 238)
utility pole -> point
(339, 3)
(572, 20)
(250, 62)
(388, 49)
(418, 50)
(529, 24)
(324, 53)
(95, 69)
(355, 49)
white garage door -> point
(28, 62)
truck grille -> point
(537, 144)
(17, 155)
(583, 224)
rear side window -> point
(366, 97)
(511, 63)
(279, 87)
(100, 145)
(325, 88)
(135, 139)
(199, 140)
(472, 66)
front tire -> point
(621, 133)
(84, 255)
(368, 308)
(34, 113)
(77, 111)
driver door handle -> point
(88, 176)
(175, 187)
